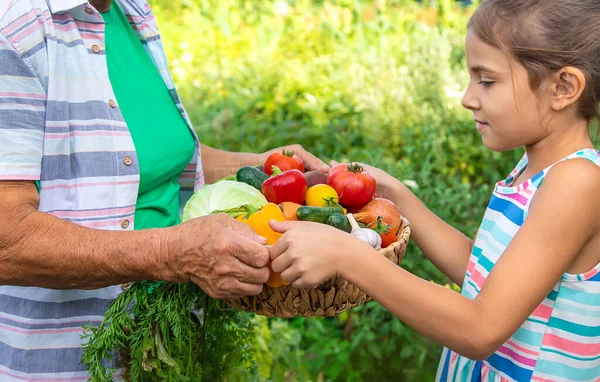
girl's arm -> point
(446, 247)
(561, 224)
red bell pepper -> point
(288, 186)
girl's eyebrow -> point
(481, 68)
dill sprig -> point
(171, 332)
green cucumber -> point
(317, 214)
(252, 176)
(339, 221)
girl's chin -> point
(495, 145)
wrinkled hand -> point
(385, 182)
(308, 263)
(311, 162)
(224, 257)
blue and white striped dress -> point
(560, 341)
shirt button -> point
(112, 103)
(95, 48)
(128, 161)
(125, 223)
(89, 11)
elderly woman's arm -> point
(218, 164)
(38, 249)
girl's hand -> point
(385, 182)
(308, 254)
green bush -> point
(349, 81)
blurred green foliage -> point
(373, 81)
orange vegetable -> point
(289, 210)
(259, 221)
(385, 208)
(275, 280)
(385, 231)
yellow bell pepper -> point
(259, 221)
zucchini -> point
(317, 214)
(339, 221)
(252, 176)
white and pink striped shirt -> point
(60, 124)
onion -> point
(379, 207)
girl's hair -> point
(545, 36)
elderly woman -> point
(96, 152)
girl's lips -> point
(481, 125)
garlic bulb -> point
(366, 235)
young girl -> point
(530, 302)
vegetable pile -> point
(293, 194)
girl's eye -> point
(486, 84)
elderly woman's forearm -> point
(37, 249)
(218, 164)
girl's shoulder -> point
(584, 163)
(569, 188)
(572, 184)
(581, 169)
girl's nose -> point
(469, 99)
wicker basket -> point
(328, 299)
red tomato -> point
(285, 160)
(354, 185)
(384, 230)
(387, 238)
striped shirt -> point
(60, 124)
(560, 340)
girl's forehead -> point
(481, 55)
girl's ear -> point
(567, 86)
